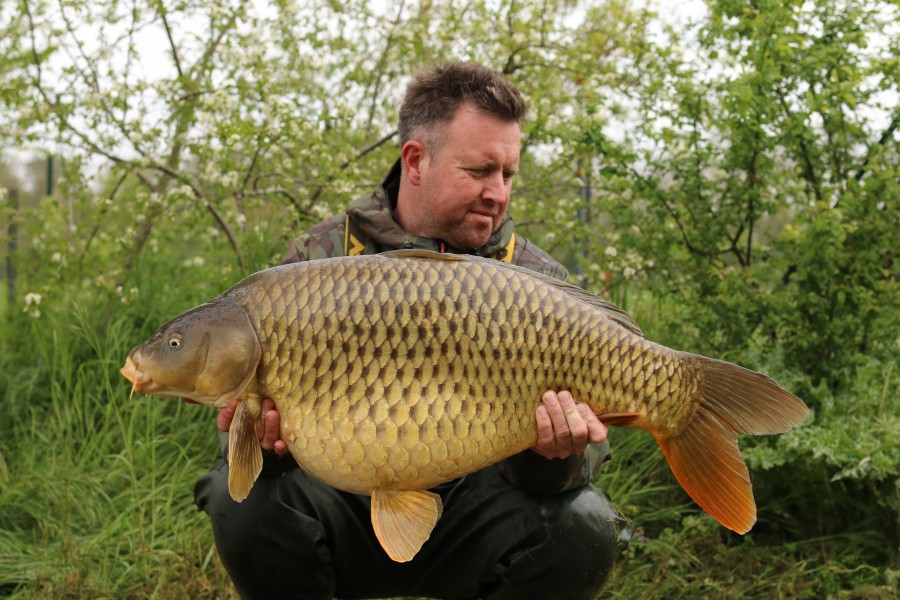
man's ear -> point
(413, 154)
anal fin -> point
(707, 462)
(403, 520)
(244, 453)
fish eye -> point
(175, 342)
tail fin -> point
(704, 456)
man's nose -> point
(495, 189)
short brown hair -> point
(435, 94)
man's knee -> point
(594, 532)
(584, 535)
(269, 549)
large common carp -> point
(396, 372)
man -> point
(529, 527)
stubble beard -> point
(457, 229)
(464, 236)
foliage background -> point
(730, 179)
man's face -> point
(465, 185)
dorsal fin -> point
(613, 312)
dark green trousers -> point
(295, 537)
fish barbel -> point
(396, 372)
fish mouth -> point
(140, 381)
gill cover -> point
(208, 354)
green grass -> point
(95, 488)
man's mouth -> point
(484, 215)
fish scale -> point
(397, 372)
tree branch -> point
(161, 11)
(93, 79)
(811, 177)
(281, 191)
(675, 216)
(210, 50)
(752, 180)
(361, 153)
(99, 222)
(379, 66)
(34, 52)
(198, 193)
(895, 122)
(370, 148)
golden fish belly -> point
(390, 378)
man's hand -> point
(566, 427)
(267, 430)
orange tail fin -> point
(704, 456)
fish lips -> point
(141, 382)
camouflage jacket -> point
(368, 227)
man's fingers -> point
(280, 447)
(270, 436)
(226, 416)
(545, 429)
(575, 421)
(597, 431)
(551, 402)
(561, 433)
(566, 426)
(270, 430)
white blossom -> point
(196, 261)
(230, 179)
(31, 298)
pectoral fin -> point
(403, 521)
(620, 419)
(244, 453)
